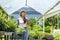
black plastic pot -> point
(35, 38)
(48, 37)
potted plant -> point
(33, 34)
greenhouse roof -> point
(41, 6)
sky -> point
(41, 6)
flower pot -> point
(31, 38)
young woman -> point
(22, 23)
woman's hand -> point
(27, 22)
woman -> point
(22, 23)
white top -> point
(21, 22)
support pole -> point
(43, 24)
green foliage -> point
(56, 36)
(37, 27)
(52, 21)
(6, 24)
(3, 26)
(48, 29)
(12, 25)
(34, 25)
(34, 28)
(33, 33)
(11, 17)
(32, 21)
(20, 30)
(41, 35)
(3, 17)
(3, 13)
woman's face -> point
(23, 14)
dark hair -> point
(22, 12)
(24, 19)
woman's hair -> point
(22, 12)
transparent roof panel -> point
(41, 6)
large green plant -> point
(48, 29)
(6, 24)
(34, 28)
(33, 33)
(52, 21)
(37, 27)
(3, 13)
(12, 25)
(56, 36)
(32, 21)
(3, 25)
(3, 17)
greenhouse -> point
(43, 22)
